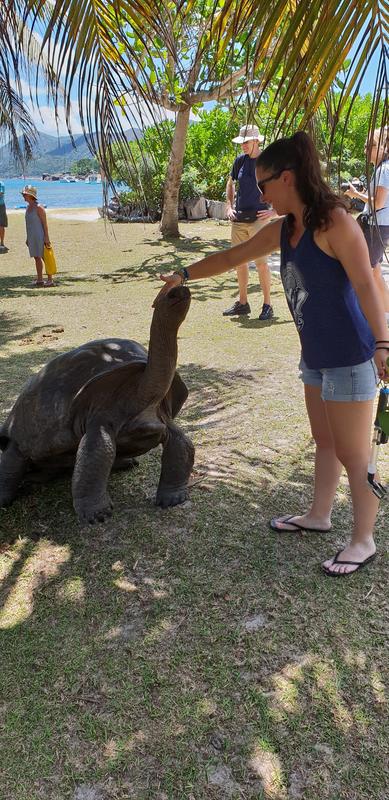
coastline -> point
(78, 213)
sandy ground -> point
(78, 214)
(92, 215)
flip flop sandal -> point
(37, 284)
(358, 564)
(296, 526)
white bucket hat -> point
(31, 191)
(247, 133)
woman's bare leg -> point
(39, 269)
(327, 466)
(350, 424)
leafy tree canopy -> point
(84, 166)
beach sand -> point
(78, 214)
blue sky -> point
(45, 120)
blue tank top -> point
(332, 328)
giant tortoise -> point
(96, 408)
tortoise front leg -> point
(95, 456)
(12, 469)
(177, 463)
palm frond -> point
(16, 125)
(172, 55)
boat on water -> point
(93, 178)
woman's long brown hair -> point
(299, 154)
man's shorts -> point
(343, 384)
(3, 216)
(377, 240)
(242, 231)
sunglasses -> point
(273, 177)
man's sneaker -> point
(267, 312)
(236, 309)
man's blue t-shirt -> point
(2, 190)
(248, 198)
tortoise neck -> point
(161, 362)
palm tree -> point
(16, 125)
(177, 54)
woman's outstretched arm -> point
(264, 242)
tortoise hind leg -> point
(12, 469)
(177, 463)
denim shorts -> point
(343, 384)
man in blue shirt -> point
(3, 218)
(248, 213)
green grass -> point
(126, 666)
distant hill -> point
(51, 154)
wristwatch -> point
(183, 273)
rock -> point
(196, 208)
(222, 777)
(254, 623)
(88, 792)
(216, 741)
(217, 209)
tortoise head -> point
(172, 308)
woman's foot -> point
(294, 523)
(49, 284)
(357, 555)
(37, 284)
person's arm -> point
(353, 192)
(42, 216)
(348, 244)
(266, 241)
(379, 199)
(230, 197)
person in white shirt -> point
(374, 219)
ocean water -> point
(55, 194)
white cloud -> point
(142, 114)
(46, 121)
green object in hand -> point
(383, 420)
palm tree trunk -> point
(169, 221)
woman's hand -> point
(380, 357)
(170, 280)
(267, 213)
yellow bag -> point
(49, 259)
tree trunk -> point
(169, 221)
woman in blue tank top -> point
(340, 318)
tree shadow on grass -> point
(17, 286)
(10, 327)
(162, 645)
(18, 367)
(194, 637)
(194, 244)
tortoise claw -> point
(91, 511)
(171, 497)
